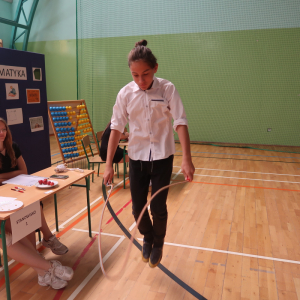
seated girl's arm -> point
(22, 169)
(187, 166)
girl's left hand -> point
(188, 169)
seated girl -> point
(12, 164)
(50, 273)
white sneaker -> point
(62, 272)
(49, 279)
(55, 245)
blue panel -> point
(35, 146)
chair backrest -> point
(86, 141)
(99, 135)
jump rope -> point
(133, 240)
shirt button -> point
(150, 132)
(146, 105)
(148, 120)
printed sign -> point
(25, 221)
(33, 96)
(11, 72)
(14, 116)
(36, 124)
(12, 91)
(37, 74)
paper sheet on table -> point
(25, 180)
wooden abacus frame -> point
(73, 104)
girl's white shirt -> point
(149, 114)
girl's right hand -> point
(108, 174)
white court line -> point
(278, 174)
(97, 232)
(176, 174)
(233, 253)
(85, 208)
(257, 179)
(95, 270)
(132, 226)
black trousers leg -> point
(139, 184)
(160, 177)
(140, 173)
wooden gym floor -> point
(233, 233)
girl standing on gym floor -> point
(149, 104)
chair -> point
(98, 137)
(92, 160)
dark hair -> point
(8, 146)
(141, 52)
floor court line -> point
(97, 232)
(85, 208)
(246, 186)
(242, 154)
(222, 170)
(255, 179)
(77, 262)
(95, 270)
(241, 178)
(245, 159)
(232, 253)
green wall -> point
(234, 85)
(61, 73)
(234, 63)
(5, 30)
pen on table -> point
(17, 190)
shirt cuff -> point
(117, 127)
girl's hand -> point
(108, 174)
(188, 169)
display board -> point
(70, 121)
(23, 104)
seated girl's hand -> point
(108, 174)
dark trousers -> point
(140, 174)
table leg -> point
(56, 218)
(5, 264)
(87, 180)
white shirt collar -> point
(154, 85)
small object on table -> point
(42, 184)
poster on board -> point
(36, 124)
(14, 116)
(37, 74)
(33, 96)
(12, 91)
